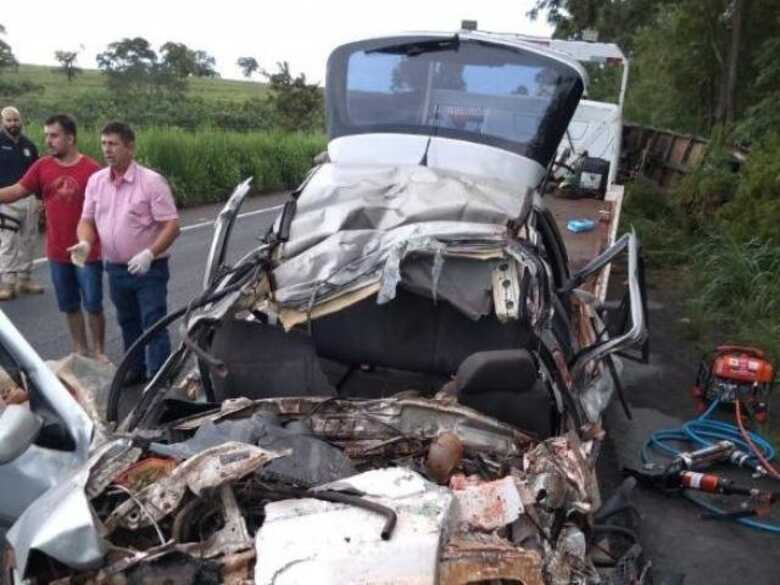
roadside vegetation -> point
(715, 230)
(203, 133)
(707, 67)
(710, 68)
(204, 165)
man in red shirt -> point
(60, 180)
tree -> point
(205, 65)
(7, 58)
(615, 22)
(128, 62)
(298, 105)
(67, 61)
(762, 118)
(694, 63)
(132, 66)
(727, 102)
(182, 62)
(248, 65)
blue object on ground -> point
(704, 432)
(580, 225)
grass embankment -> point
(203, 166)
(55, 85)
(726, 261)
(204, 142)
(40, 91)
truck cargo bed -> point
(584, 246)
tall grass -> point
(736, 286)
(203, 166)
(661, 225)
(730, 285)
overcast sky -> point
(299, 31)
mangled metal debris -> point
(481, 559)
(207, 470)
(216, 512)
(401, 384)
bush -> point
(96, 107)
(702, 193)
(755, 211)
(659, 222)
(16, 88)
(204, 166)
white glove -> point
(140, 263)
(79, 252)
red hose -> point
(757, 452)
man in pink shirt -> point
(131, 209)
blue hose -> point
(702, 432)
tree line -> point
(695, 64)
(146, 84)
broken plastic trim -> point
(223, 227)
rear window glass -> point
(471, 90)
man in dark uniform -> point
(17, 154)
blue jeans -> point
(74, 285)
(140, 302)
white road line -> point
(201, 224)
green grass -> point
(730, 287)
(203, 166)
(56, 86)
(661, 225)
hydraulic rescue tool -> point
(735, 372)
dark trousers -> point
(140, 301)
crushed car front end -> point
(403, 382)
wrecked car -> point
(402, 383)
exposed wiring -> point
(143, 508)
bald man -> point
(17, 154)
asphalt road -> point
(44, 326)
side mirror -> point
(19, 427)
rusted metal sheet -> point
(344, 421)
(664, 156)
(144, 472)
(209, 469)
(482, 560)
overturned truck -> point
(403, 382)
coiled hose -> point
(704, 432)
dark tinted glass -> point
(475, 91)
